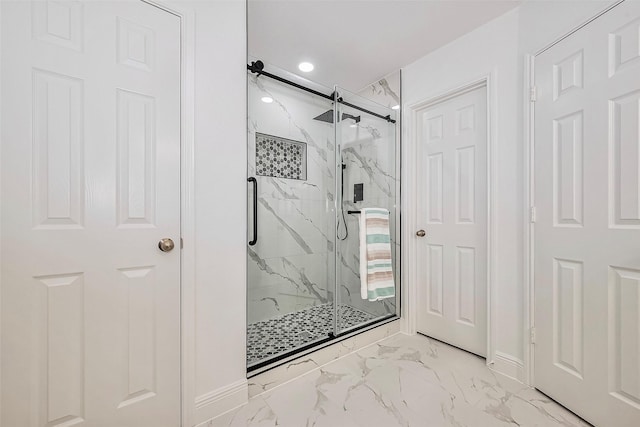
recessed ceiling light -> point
(395, 107)
(305, 66)
(267, 99)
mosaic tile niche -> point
(280, 158)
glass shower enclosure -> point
(316, 157)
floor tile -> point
(408, 381)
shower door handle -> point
(255, 210)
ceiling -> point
(355, 42)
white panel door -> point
(90, 184)
(452, 209)
(587, 233)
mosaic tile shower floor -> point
(274, 336)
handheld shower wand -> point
(346, 230)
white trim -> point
(528, 226)
(219, 401)
(188, 221)
(492, 126)
(411, 176)
(187, 204)
(452, 93)
(219, 394)
(529, 236)
(508, 365)
(408, 179)
(1, 139)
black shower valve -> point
(358, 192)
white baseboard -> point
(219, 401)
(508, 365)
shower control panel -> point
(358, 192)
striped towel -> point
(376, 275)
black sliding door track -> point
(257, 67)
(330, 339)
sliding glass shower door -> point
(310, 150)
(368, 162)
(291, 234)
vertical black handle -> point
(255, 210)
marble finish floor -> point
(283, 334)
(402, 381)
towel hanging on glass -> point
(376, 273)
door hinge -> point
(532, 214)
(181, 243)
(532, 336)
(533, 96)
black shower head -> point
(327, 116)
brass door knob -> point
(166, 245)
(421, 233)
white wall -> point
(491, 49)
(497, 49)
(544, 21)
(219, 374)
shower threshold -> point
(276, 339)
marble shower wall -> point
(368, 151)
(385, 91)
(292, 265)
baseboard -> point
(219, 401)
(508, 365)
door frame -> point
(411, 166)
(1, 210)
(187, 205)
(529, 193)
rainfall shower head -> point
(327, 117)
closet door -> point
(587, 232)
(452, 200)
(90, 185)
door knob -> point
(166, 245)
(421, 233)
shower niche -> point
(309, 147)
(280, 157)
